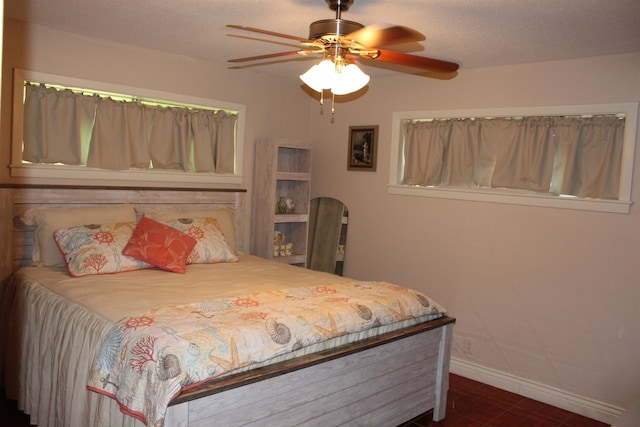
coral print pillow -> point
(160, 245)
(211, 246)
(97, 249)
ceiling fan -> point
(340, 42)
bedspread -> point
(147, 359)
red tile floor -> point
(9, 414)
(473, 404)
(470, 404)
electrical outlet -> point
(462, 345)
(467, 346)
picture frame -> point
(363, 148)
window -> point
(99, 132)
(578, 157)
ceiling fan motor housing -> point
(341, 41)
(332, 27)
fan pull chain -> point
(333, 102)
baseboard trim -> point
(543, 393)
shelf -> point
(291, 259)
(282, 170)
(292, 217)
(293, 176)
(293, 157)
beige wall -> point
(548, 295)
(544, 294)
(274, 106)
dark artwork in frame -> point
(363, 147)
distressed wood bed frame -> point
(382, 381)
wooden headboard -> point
(16, 238)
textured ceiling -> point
(473, 33)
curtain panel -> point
(58, 123)
(577, 156)
(64, 127)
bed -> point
(55, 326)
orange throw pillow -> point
(160, 245)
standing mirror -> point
(327, 235)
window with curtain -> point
(114, 135)
(523, 159)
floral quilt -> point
(147, 359)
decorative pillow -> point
(97, 249)
(47, 220)
(226, 217)
(212, 246)
(160, 245)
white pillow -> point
(226, 217)
(47, 220)
(211, 244)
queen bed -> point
(81, 348)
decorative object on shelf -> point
(282, 205)
(289, 206)
(280, 248)
(363, 147)
(278, 238)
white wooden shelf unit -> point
(282, 169)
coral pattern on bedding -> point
(211, 246)
(97, 249)
(148, 358)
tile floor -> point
(473, 404)
(9, 414)
(470, 404)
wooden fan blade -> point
(264, 40)
(280, 60)
(401, 58)
(269, 33)
(382, 35)
(275, 55)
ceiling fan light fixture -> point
(320, 76)
(350, 79)
(334, 75)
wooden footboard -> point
(382, 381)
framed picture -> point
(363, 148)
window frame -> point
(42, 174)
(520, 197)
